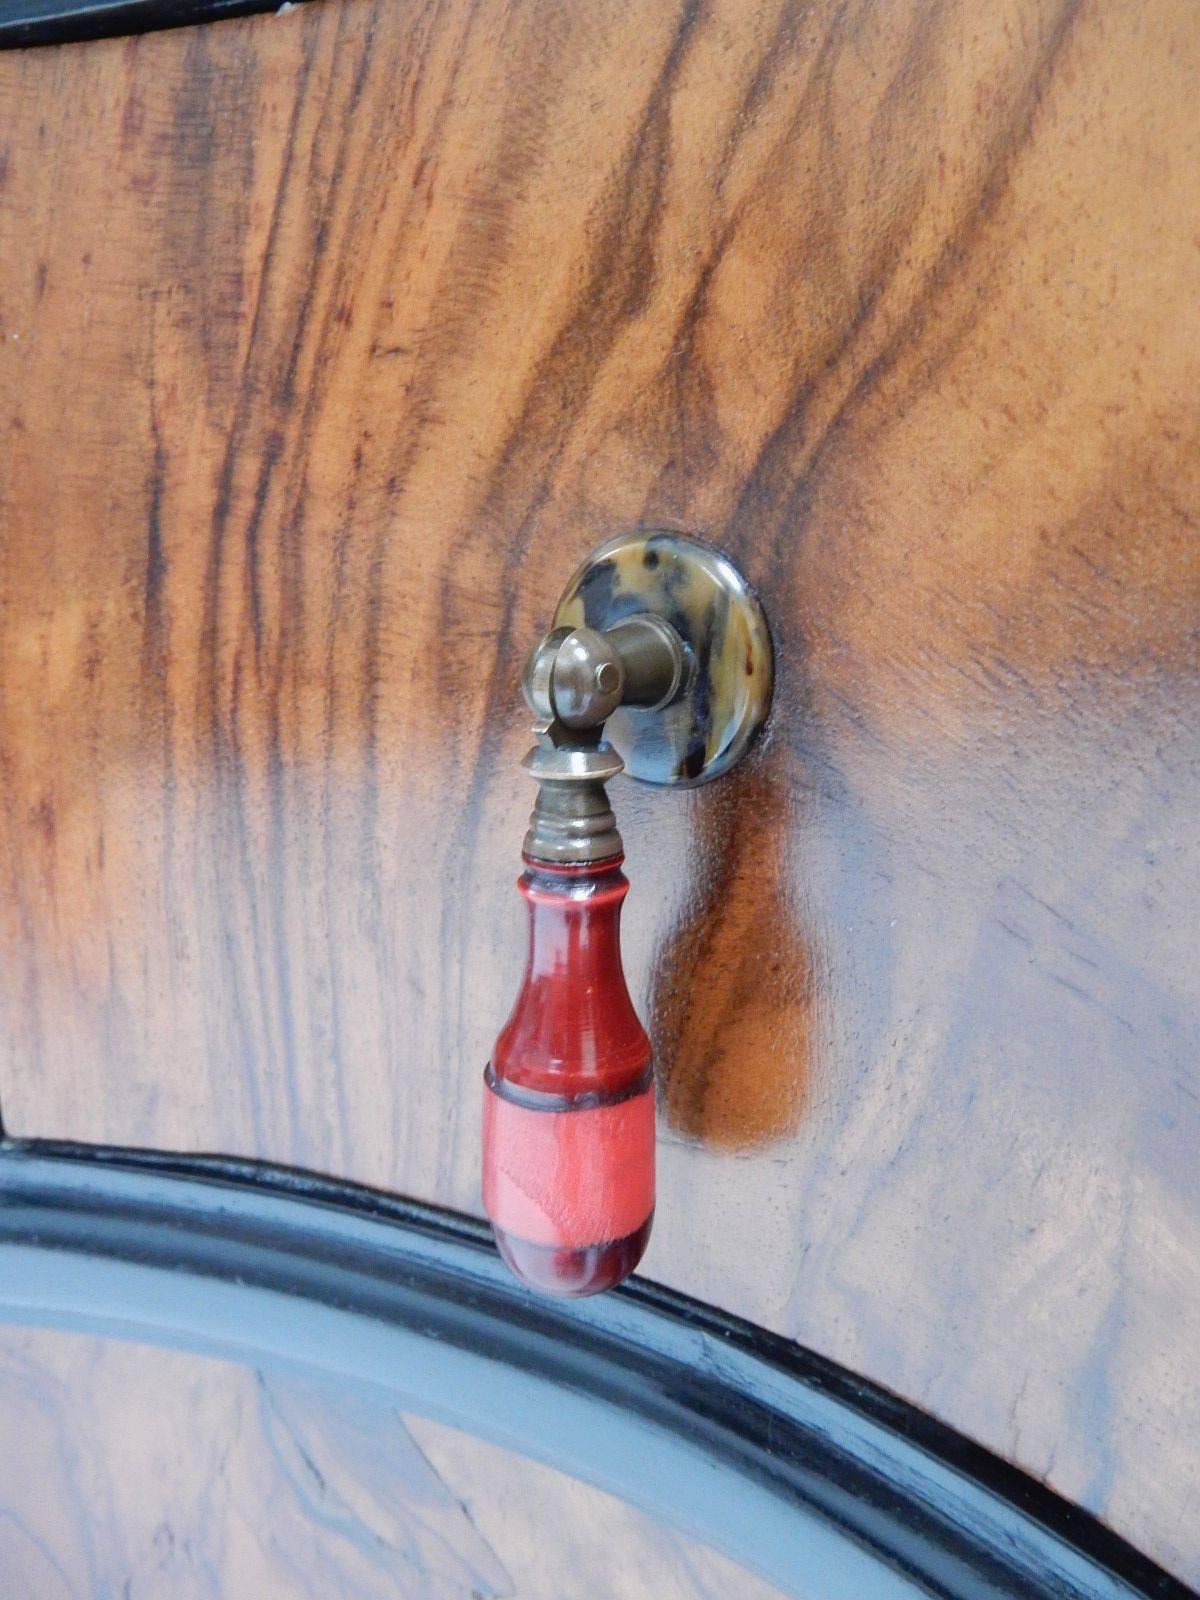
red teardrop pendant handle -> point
(568, 1121)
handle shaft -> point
(568, 1143)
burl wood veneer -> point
(158, 1475)
(332, 341)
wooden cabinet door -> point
(332, 340)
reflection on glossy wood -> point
(154, 1475)
(573, 1540)
(735, 1052)
(332, 342)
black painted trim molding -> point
(35, 22)
(794, 1467)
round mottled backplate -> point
(703, 596)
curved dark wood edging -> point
(786, 1462)
(34, 22)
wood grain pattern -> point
(154, 1475)
(332, 341)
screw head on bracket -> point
(588, 679)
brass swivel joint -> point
(574, 680)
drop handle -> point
(659, 663)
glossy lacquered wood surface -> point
(333, 341)
(157, 1475)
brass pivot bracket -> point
(659, 664)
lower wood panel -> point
(154, 1475)
(330, 343)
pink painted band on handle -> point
(572, 1177)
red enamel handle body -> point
(568, 1125)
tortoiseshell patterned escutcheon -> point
(716, 613)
